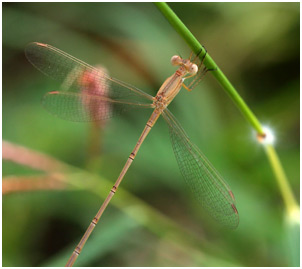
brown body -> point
(167, 92)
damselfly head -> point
(190, 67)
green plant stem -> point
(197, 48)
(210, 64)
(286, 192)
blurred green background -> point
(257, 47)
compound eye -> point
(193, 69)
(176, 60)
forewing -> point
(88, 93)
(202, 178)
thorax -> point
(169, 89)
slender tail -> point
(153, 118)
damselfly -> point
(76, 103)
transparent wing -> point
(85, 107)
(87, 92)
(205, 182)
